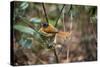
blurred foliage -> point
(24, 29)
(27, 21)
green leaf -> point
(24, 29)
(24, 5)
(35, 20)
(28, 30)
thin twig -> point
(67, 53)
(45, 12)
(70, 9)
(56, 55)
(71, 20)
(63, 21)
(59, 15)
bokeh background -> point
(28, 45)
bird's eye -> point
(45, 25)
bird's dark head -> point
(45, 25)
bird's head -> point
(45, 25)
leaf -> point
(35, 20)
(24, 29)
(24, 5)
(28, 30)
(26, 43)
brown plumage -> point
(60, 37)
(48, 29)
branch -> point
(71, 25)
(55, 53)
(70, 9)
(45, 13)
(63, 21)
(59, 15)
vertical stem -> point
(63, 21)
(71, 18)
(59, 15)
(68, 51)
(56, 56)
(45, 12)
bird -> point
(48, 29)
